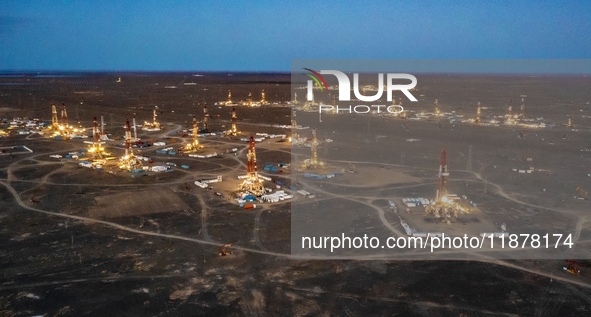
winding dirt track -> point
(270, 253)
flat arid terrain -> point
(78, 240)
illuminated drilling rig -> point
(64, 116)
(309, 99)
(194, 145)
(436, 104)
(62, 128)
(294, 127)
(444, 206)
(135, 139)
(312, 162)
(477, 121)
(65, 130)
(54, 123)
(154, 125)
(206, 118)
(234, 129)
(295, 138)
(510, 117)
(229, 101)
(522, 111)
(96, 151)
(248, 102)
(263, 101)
(129, 161)
(295, 99)
(252, 183)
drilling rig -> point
(263, 101)
(522, 112)
(229, 102)
(64, 129)
(234, 129)
(206, 118)
(436, 104)
(249, 99)
(477, 121)
(444, 206)
(252, 183)
(194, 145)
(312, 162)
(294, 127)
(54, 123)
(96, 151)
(510, 117)
(154, 125)
(64, 116)
(310, 98)
(129, 161)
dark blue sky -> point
(266, 35)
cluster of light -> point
(311, 164)
(445, 208)
(193, 146)
(253, 186)
(252, 183)
(96, 151)
(129, 162)
(152, 125)
(66, 130)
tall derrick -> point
(64, 115)
(234, 130)
(443, 206)
(294, 126)
(442, 180)
(194, 145)
(96, 150)
(252, 183)
(96, 133)
(313, 162)
(195, 132)
(129, 161)
(436, 104)
(54, 121)
(154, 125)
(206, 118)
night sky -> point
(266, 35)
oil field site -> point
(188, 194)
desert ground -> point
(79, 241)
